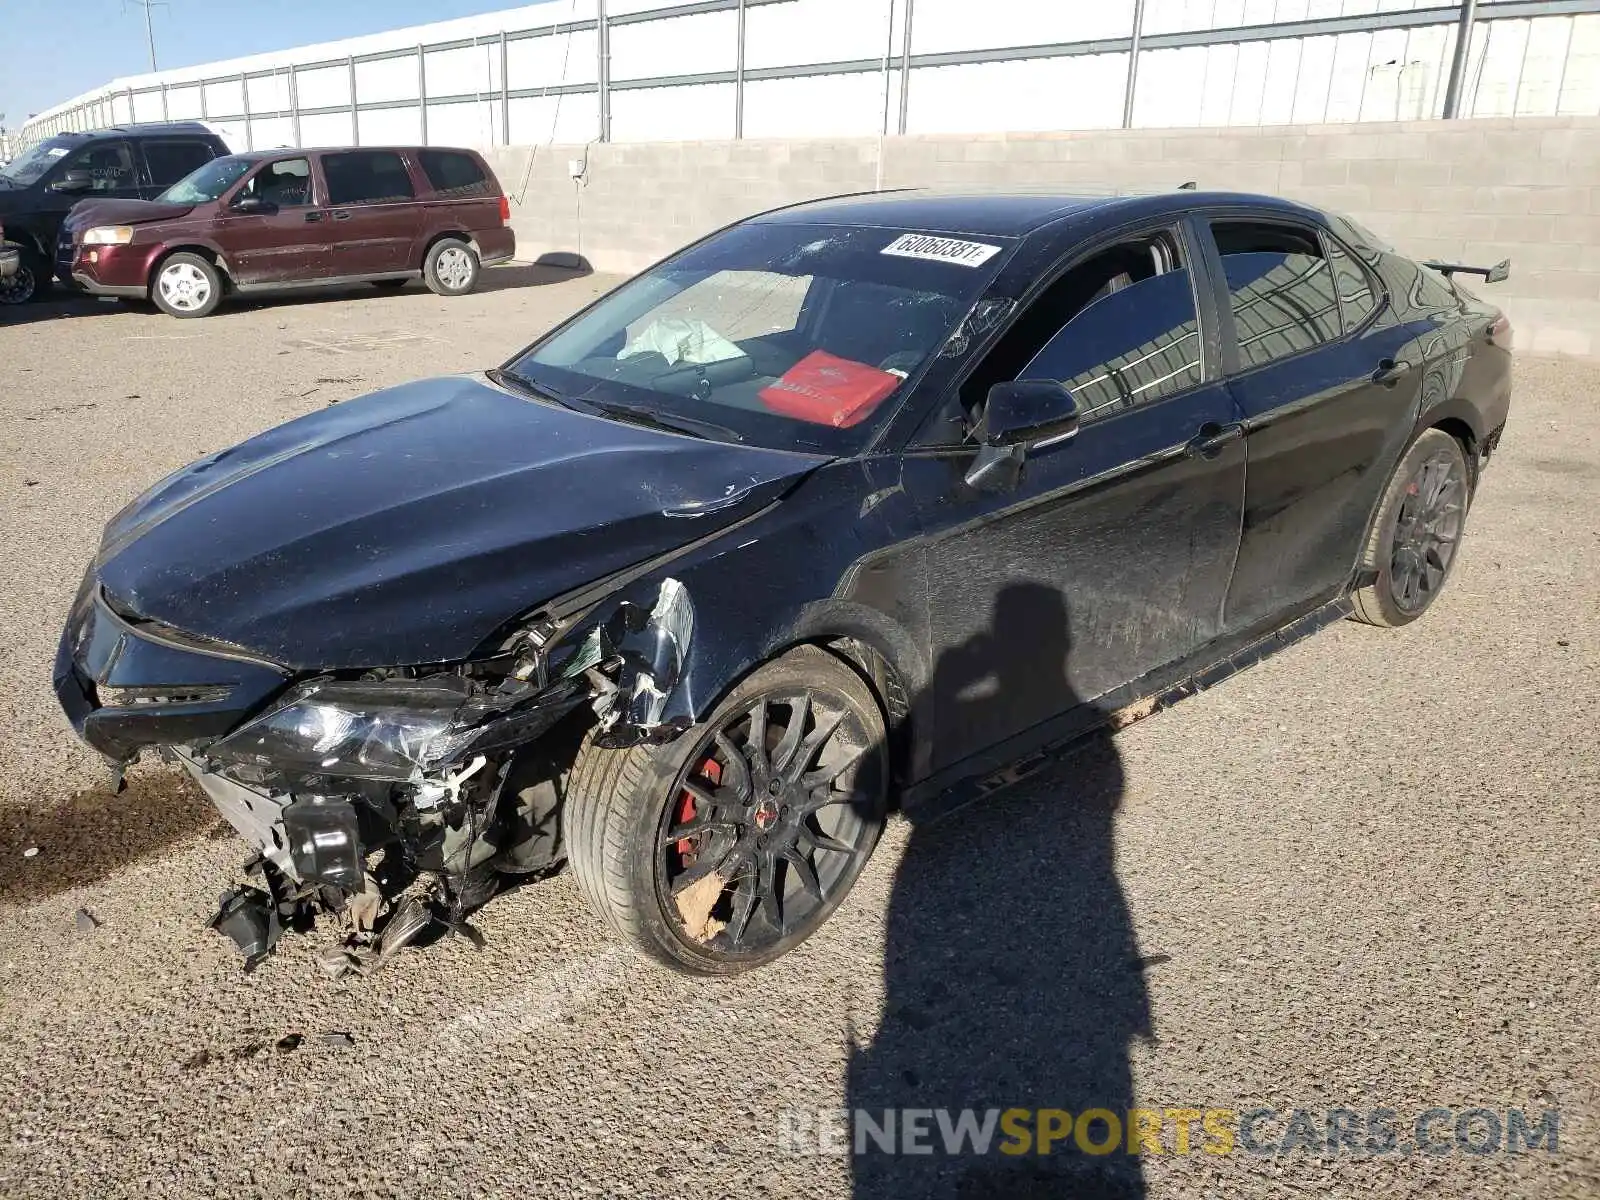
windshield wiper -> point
(674, 423)
(521, 383)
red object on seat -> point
(827, 390)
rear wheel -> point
(450, 268)
(1414, 539)
(186, 285)
(30, 280)
(730, 846)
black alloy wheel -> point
(1415, 538)
(728, 846)
(761, 841)
(1427, 530)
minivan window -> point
(452, 173)
(168, 162)
(208, 183)
(285, 184)
(366, 177)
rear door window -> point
(453, 174)
(366, 177)
(1357, 291)
(166, 162)
(1280, 287)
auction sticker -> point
(941, 249)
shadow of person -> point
(1012, 977)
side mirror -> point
(73, 181)
(252, 204)
(1500, 272)
(1016, 415)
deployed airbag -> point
(681, 340)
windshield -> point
(206, 183)
(789, 336)
(27, 167)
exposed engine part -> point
(325, 842)
(651, 648)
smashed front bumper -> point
(347, 808)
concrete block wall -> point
(1474, 191)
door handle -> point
(1390, 370)
(1211, 438)
(313, 217)
(341, 215)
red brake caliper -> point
(712, 771)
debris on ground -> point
(87, 922)
(338, 1039)
(338, 962)
(290, 1041)
(31, 852)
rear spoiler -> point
(1498, 273)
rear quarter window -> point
(452, 174)
(366, 177)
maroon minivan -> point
(280, 219)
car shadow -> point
(95, 833)
(1012, 974)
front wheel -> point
(1417, 532)
(728, 847)
(30, 280)
(187, 285)
(451, 268)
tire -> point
(186, 285)
(1416, 535)
(450, 268)
(30, 282)
(389, 285)
(762, 864)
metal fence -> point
(1542, 55)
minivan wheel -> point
(451, 268)
(728, 847)
(186, 285)
(1417, 533)
(27, 282)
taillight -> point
(505, 208)
(1500, 332)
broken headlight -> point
(390, 730)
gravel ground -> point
(1362, 875)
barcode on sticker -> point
(941, 249)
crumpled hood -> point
(89, 213)
(408, 525)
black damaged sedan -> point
(851, 505)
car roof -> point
(1011, 213)
(149, 129)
